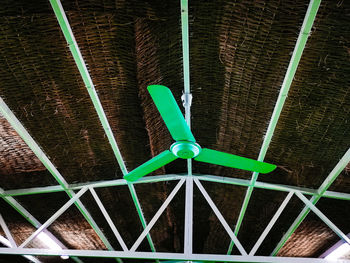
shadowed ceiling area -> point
(239, 52)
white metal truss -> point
(109, 220)
(188, 180)
(132, 253)
(320, 192)
(32, 220)
(271, 224)
(188, 255)
(7, 232)
(173, 177)
(54, 217)
(167, 256)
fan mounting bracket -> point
(186, 99)
(185, 149)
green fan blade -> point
(171, 113)
(234, 161)
(151, 165)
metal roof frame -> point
(131, 253)
(166, 256)
(32, 220)
(190, 179)
(173, 177)
(314, 199)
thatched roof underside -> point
(239, 53)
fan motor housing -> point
(185, 149)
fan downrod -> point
(185, 149)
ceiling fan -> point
(185, 146)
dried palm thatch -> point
(239, 53)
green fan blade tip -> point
(269, 168)
(233, 161)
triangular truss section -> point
(220, 217)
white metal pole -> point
(7, 232)
(188, 235)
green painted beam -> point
(73, 46)
(16, 124)
(321, 191)
(292, 67)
